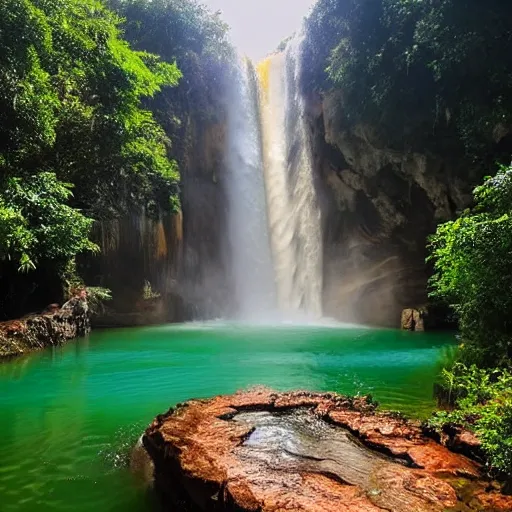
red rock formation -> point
(274, 452)
(53, 326)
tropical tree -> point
(430, 75)
(70, 112)
(472, 257)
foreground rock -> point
(52, 327)
(269, 452)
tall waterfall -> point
(251, 261)
(274, 217)
(293, 210)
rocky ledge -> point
(52, 327)
(268, 452)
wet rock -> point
(53, 326)
(141, 465)
(265, 451)
(407, 321)
(457, 440)
(413, 320)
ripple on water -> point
(68, 416)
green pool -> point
(68, 415)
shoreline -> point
(54, 326)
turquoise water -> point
(68, 415)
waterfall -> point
(251, 262)
(274, 223)
(293, 210)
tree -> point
(472, 258)
(430, 75)
(70, 112)
(76, 143)
(187, 33)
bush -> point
(483, 400)
(36, 223)
(96, 298)
(473, 271)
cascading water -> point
(251, 261)
(293, 210)
(274, 218)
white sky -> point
(258, 26)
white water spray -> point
(274, 218)
(251, 261)
(294, 213)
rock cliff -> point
(170, 267)
(379, 206)
(204, 278)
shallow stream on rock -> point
(302, 442)
(68, 416)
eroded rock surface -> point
(380, 203)
(412, 320)
(269, 452)
(53, 326)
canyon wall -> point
(169, 267)
(379, 206)
(204, 278)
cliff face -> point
(203, 275)
(139, 262)
(379, 206)
(170, 268)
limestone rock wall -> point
(170, 268)
(379, 206)
(139, 262)
(203, 281)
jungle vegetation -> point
(84, 132)
(436, 76)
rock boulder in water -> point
(413, 320)
(266, 451)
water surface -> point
(68, 414)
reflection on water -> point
(66, 414)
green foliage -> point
(37, 224)
(473, 271)
(174, 29)
(484, 405)
(430, 74)
(185, 32)
(96, 298)
(71, 115)
(74, 285)
(148, 293)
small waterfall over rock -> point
(293, 210)
(251, 262)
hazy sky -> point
(258, 26)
